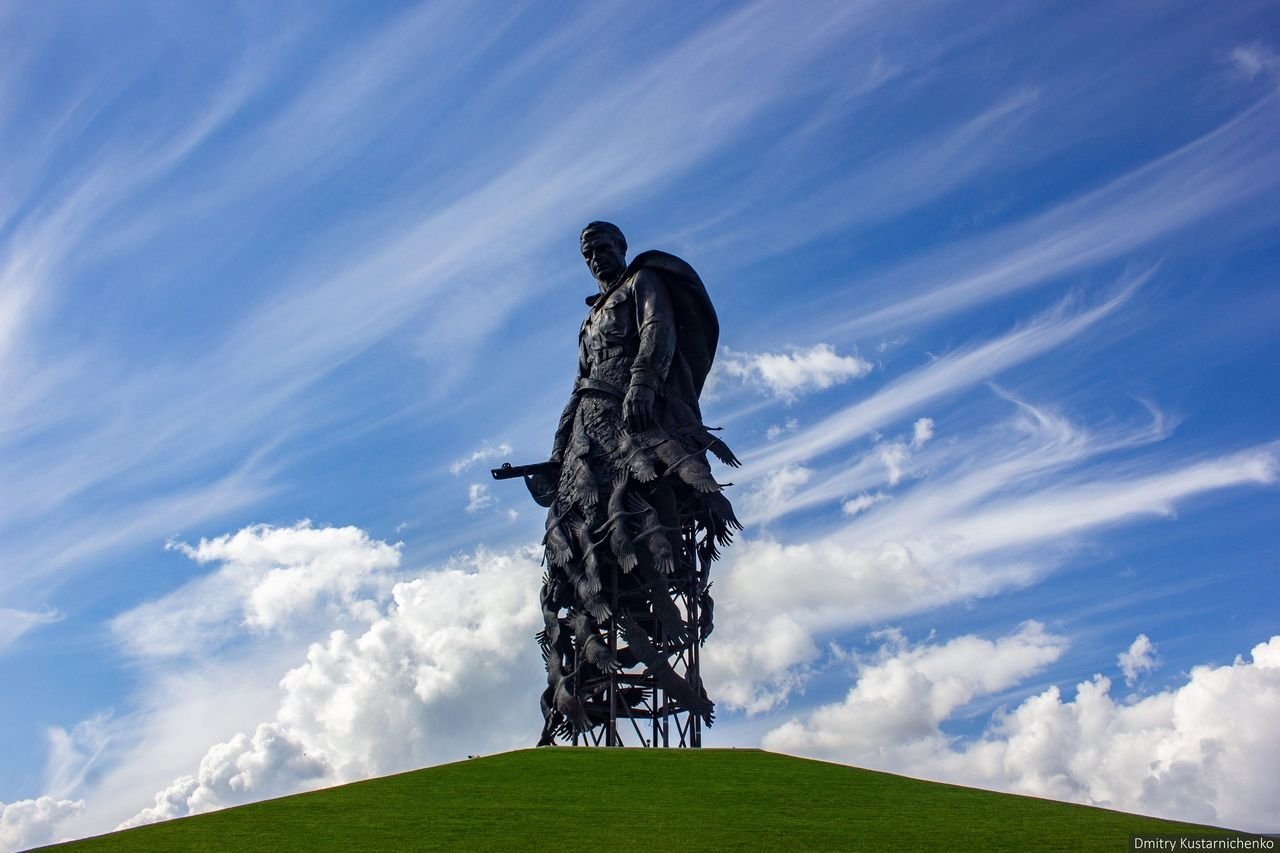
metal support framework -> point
(641, 713)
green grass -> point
(634, 799)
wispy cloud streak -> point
(1231, 165)
(160, 423)
(994, 514)
(948, 374)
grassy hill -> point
(598, 799)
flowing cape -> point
(697, 327)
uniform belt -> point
(605, 353)
(586, 383)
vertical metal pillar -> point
(611, 696)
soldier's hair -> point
(604, 228)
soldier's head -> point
(605, 251)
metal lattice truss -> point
(654, 697)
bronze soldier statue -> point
(635, 515)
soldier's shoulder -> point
(643, 276)
(662, 262)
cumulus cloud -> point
(482, 454)
(31, 823)
(1204, 751)
(775, 431)
(903, 693)
(1139, 659)
(244, 769)
(791, 374)
(862, 503)
(755, 664)
(921, 432)
(436, 669)
(478, 497)
(268, 579)
(776, 602)
(894, 455)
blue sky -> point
(278, 282)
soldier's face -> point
(604, 257)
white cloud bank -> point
(904, 692)
(1205, 751)
(31, 823)
(268, 579)
(441, 664)
(267, 764)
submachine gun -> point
(540, 479)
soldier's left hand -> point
(637, 408)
